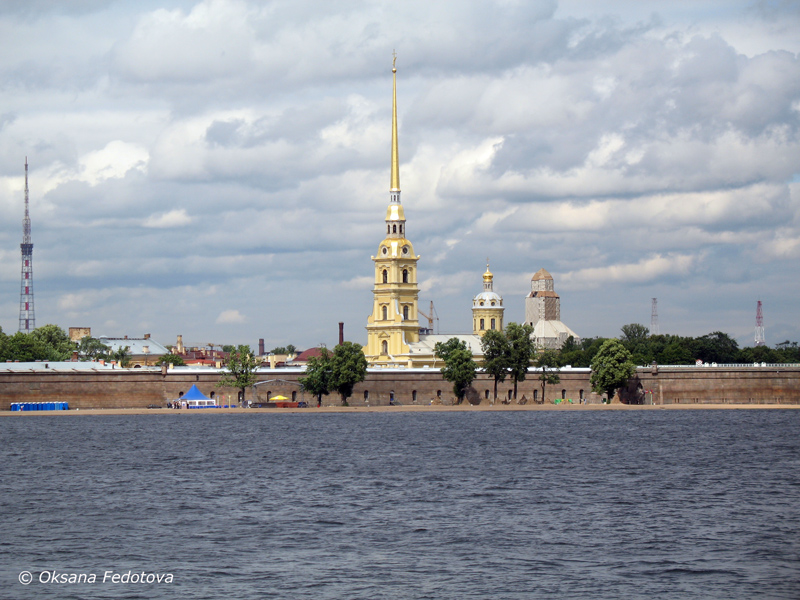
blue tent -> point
(194, 394)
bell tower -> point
(394, 322)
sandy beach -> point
(394, 409)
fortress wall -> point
(723, 385)
(140, 388)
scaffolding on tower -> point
(27, 316)
(760, 341)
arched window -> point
(394, 228)
(384, 347)
(563, 394)
(481, 329)
(486, 394)
(385, 313)
(439, 394)
(212, 395)
(492, 323)
(535, 395)
(294, 396)
(580, 394)
(405, 275)
(510, 394)
(385, 278)
(401, 228)
(413, 395)
(366, 395)
(405, 313)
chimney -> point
(147, 336)
(261, 346)
(341, 332)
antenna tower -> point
(759, 325)
(27, 317)
(654, 318)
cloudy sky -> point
(220, 169)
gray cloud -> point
(219, 168)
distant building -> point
(143, 351)
(543, 313)
(76, 334)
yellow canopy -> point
(279, 398)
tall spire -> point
(395, 184)
(27, 318)
(395, 216)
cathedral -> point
(394, 336)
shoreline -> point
(394, 409)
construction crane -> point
(433, 315)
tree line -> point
(509, 354)
(666, 349)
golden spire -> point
(395, 183)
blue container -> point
(14, 406)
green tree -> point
(612, 367)
(716, 347)
(122, 355)
(548, 362)
(675, 352)
(228, 348)
(459, 368)
(25, 347)
(635, 337)
(789, 351)
(240, 370)
(92, 349)
(522, 349)
(57, 340)
(175, 360)
(348, 367)
(318, 379)
(496, 356)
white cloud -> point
(230, 316)
(168, 220)
(645, 270)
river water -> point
(456, 505)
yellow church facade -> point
(394, 322)
(394, 338)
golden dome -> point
(487, 277)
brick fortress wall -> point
(141, 388)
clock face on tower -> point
(405, 249)
(384, 250)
